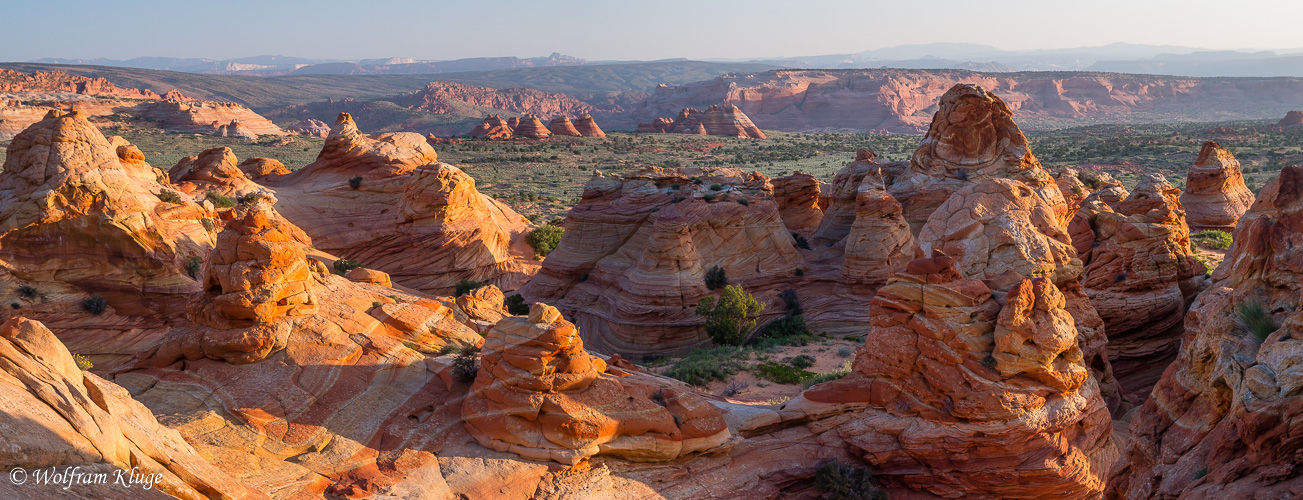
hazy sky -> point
(619, 29)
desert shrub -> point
(169, 196)
(545, 239)
(845, 352)
(1199, 474)
(791, 302)
(715, 278)
(708, 197)
(1254, 318)
(779, 373)
(1090, 179)
(249, 198)
(95, 304)
(83, 362)
(376, 303)
(208, 224)
(192, 266)
(730, 318)
(743, 201)
(464, 286)
(355, 182)
(788, 330)
(704, 365)
(715, 187)
(801, 242)
(345, 265)
(15, 305)
(27, 291)
(842, 481)
(516, 305)
(803, 361)
(219, 200)
(799, 272)
(448, 349)
(1215, 240)
(827, 377)
(467, 364)
(732, 389)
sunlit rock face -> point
(1215, 196)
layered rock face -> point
(637, 249)
(494, 128)
(540, 395)
(1224, 419)
(58, 415)
(1000, 226)
(798, 202)
(950, 364)
(447, 97)
(1215, 195)
(529, 126)
(562, 126)
(587, 127)
(972, 138)
(73, 210)
(216, 118)
(726, 120)
(1141, 275)
(421, 221)
(878, 242)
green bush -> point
(1254, 318)
(83, 362)
(743, 201)
(803, 361)
(730, 318)
(95, 304)
(1215, 240)
(715, 278)
(715, 187)
(827, 377)
(516, 305)
(704, 365)
(193, 265)
(545, 239)
(169, 196)
(779, 373)
(464, 286)
(343, 266)
(841, 481)
(249, 198)
(219, 200)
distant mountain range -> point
(1116, 58)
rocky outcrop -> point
(452, 97)
(587, 127)
(315, 128)
(999, 226)
(798, 202)
(951, 364)
(58, 81)
(1215, 195)
(633, 261)
(76, 210)
(58, 415)
(257, 168)
(234, 129)
(529, 126)
(540, 395)
(1141, 275)
(1222, 421)
(225, 119)
(216, 171)
(972, 138)
(562, 126)
(726, 120)
(1292, 119)
(879, 242)
(385, 202)
(493, 128)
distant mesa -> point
(726, 120)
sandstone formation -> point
(234, 129)
(540, 395)
(1291, 119)
(952, 368)
(1222, 421)
(1215, 195)
(58, 81)
(633, 261)
(1141, 275)
(879, 242)
(217, 118)
(315, 128)
(216, 170)
(58, 415)
(562, 126)
(529, 126)
(257, 168)
(77, 211)
(798, 202)
(999, 226)
(895, 100)
(493, 128)
(587, 127)
(421, 221)
(726, 120)
(972, 138)
(448, 97)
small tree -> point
(545, 239)
(715, 278)
(730, 318)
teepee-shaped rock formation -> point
(718, 119)
(493, 128)
(530, 127)
(540, 395)
(587, 127)
(1215, 195)
(562, 126)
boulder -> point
(364, 275)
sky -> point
(620, 29)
